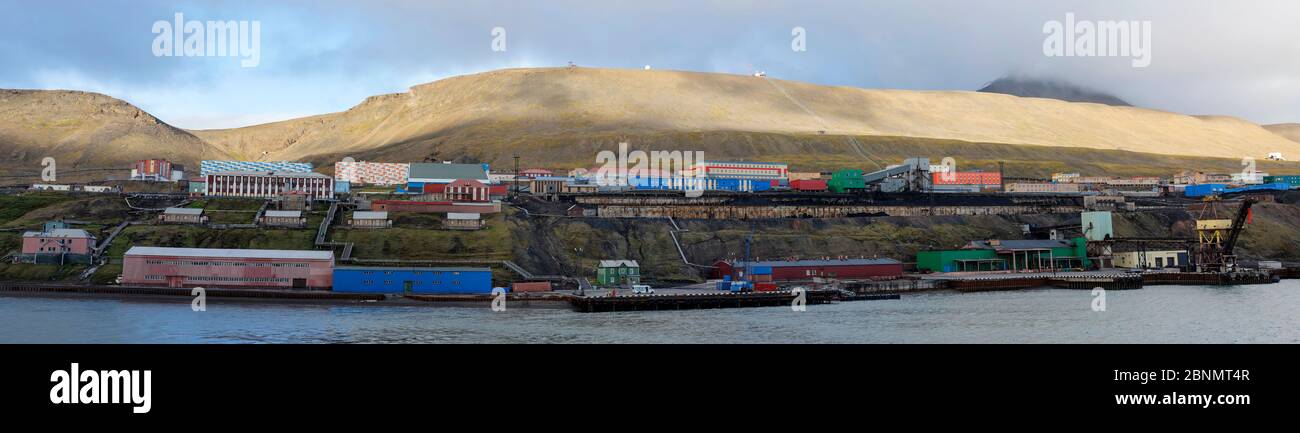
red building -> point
(212, 267)
(433, 206)
(808, 185)
(844, 269)
(467, 190)
(986, 179)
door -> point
(408, 286)
(299, 283)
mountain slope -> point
(1039, 88)
(86, 130)
(1289, 130)
(562, 115)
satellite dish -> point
(647, 67)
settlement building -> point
(57, 244)
(437, 173)
(352, 279)
(467, 190)
(209, 166)
(371, 173)
(268, 184)
(462, 221)
(434, 206)
(158, 170)
(613, 273)
(212, 267)
(788, 270)
(284, 218)
(182, 215)
(365, 219)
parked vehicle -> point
(642, 289)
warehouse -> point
(213, 267)
(352, 279)
(790, 270)
(965, 182)
(268, 184)
(437, 173)
(1151, 259)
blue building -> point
(420, 281)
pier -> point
(700, 300)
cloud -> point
(325, 56)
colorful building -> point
(843, 181)
(159, 170)
(616, 273)
(417, 281)
(467, 190)
(213, 267)
(212, 166)
(440, 173)
(264, 184)
(997, 255)
(182, 215)
(1152, 259)
(372, 173)
(793, 270)
(57, 244)
(740, 170)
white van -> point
(642, 289)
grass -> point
(417, 236)
(13, 207)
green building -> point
(1294, 181)
(1000, 255)
(615, 273)
(846, 181)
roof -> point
(447, 171)
(618, 263)
(462, 216)
(60, 233)
(271, 174)
(366, 215)
(284, 214)
(467, 182)
(183, 211)
(800, 263)
(392, 268)
(231, 253)
(1027, 244)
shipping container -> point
(765, 287)
(1294, 181)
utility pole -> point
(514, 191)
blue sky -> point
(1208, 57)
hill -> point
(1051, 89)
(86, 130)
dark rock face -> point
(1051, 89)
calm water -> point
(1247, 314)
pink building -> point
(58, 245)
(212, 267)
(467, 190)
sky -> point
(1237, 58)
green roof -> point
(428, 171)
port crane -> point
(1217, 238)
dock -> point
(700, 300)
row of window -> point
(228, 264)
(412, 272)
(413, 282)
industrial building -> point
(56, 243)
(793, 270)
(213, 267)
(388, 280)
(207, 167)
(467, 190)
(371, 173)
(965, 181)
(157, 170)
(1042, 188)
(998, 255)
(283, 218)
(268, 184)
(1151, 259)
(434, 206)
(843, 181)
(617, 273)
(182, 215)
(443, 173)
(365, 219)
(739, 170)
